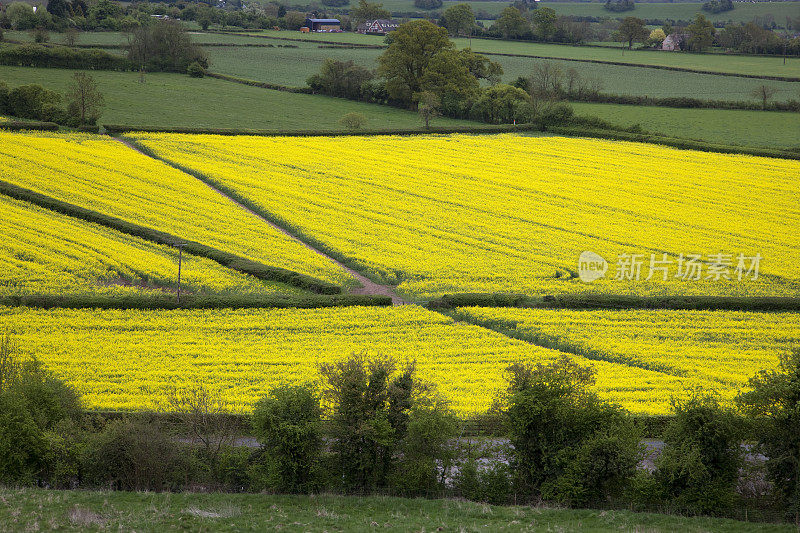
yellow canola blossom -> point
(511, 213)
(724, 348)
(104, 175)
(43, 252)
(128, 359)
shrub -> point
(489, 484)
(196, 70)
(773, 404)
(29, 101)
(353, 121)
(134, 454)
(165, 46)
(287, 424)
(699, 466)
(40, 35)
(36, 55)
(343, 79)
(568, 445)
(428, 4)
(22, 442)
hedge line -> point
(296, 39)
(675, 142)
(115, 129)
(247, 266)
(683, 102)
(191, 301)
(261, 84)
(14, 125)
(612, 301)
(36, 55)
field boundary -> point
(368, 286)
(241, 264)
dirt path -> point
(368, 287)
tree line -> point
(374, 425)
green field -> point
(34, 509)
(730, 64)
(747, 128)
(178, 100)
(293, 66)
(743, 12)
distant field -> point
(747, 128)
(750, 65)
(178, 100)
(743, 12)
(508, 213)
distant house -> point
(675, 41)
(377, 27)
(324, 25)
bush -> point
(196, 70)
(36, 55)
(30, 101)
(134, 454)
(699, 467)
(428, 4)
(343, 79)
(353, 121)
(490, 484)
(165, 46)
(287, 424)
(568, 445)
(22, 442)
(773, 404)
(4, 109)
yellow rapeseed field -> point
(102, 174)
(43, 252)
(127, 359)
(725, 348)
(511, 213)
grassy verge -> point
(33, 509)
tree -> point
(428, 107)
(165, 46)
(544, 21)
(343, 79)
(619, 5)
(411, 48)
(353, 121)
(21, 16)
(460, 19)
(58, 8)
(85, 98)
(449, 78)
(547, 80)
(773, 402)
(656, 37)
(632, 29)
(511, 24)
(701, 33)
(502, 104)
(368, 11)
(428, 4)
(763, 93)
(71, 37)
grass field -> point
(32, 509)
(746, 128)
(743, 12)
(177, 100)
(136, 357)
(724, 348)
(507, 213)
(751, 65)
(102, 174)
(43, 252)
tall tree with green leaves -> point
(701, 33)
(511, 23)
(368, 11)
(632, 29)
(460, 19)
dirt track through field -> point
(368, 287)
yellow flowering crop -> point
(43, 252)
(724, 348)
(127, 359)
(102, 174)
(510, 213)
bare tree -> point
(71, 37)
(85, 99)
(547, 79)
(764, 93)
(428, 107)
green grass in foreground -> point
(176, 100)
(35, 509)
(746, 128)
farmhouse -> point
(378, 27)
(674, 42)
(324, 25)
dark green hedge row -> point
(229, 260)
(36, 55)
(192, 301)
(611, 301)
(115, 129)
(31, 125)
(675, 142)
(684, 102)
(261, 84)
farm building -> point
(378, 27)
(674, 42)
(323, 24)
